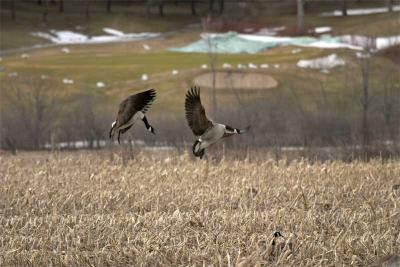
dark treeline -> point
(194, 7)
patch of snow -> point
(277, 66)
(327, 62)
(241, 66)
(25, 56)
(325, 71)
(70, 37)
(360, 11)
(227, 66)
(363, 55)
(146, 47)
(65, 50)
(385, 42)
(175, 72)
(113, 32)
(252, 66)
(297, 50)
(270, 31)
(322, 29)
(100, 85)
(13, 74)
(264, 66)
(204, 66)
(145, 77)
(44, 77)
(68, 81)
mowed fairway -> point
(87, 208)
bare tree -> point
(344, 8)
(31, 110)
(193, 7)
(87, 9)
(13, 9)
(61, 7)
(300, 16)
(390, 5)
(109, 2)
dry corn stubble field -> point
(87, 208)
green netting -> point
(232, 42)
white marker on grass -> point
(145, 77)
(100, 84)
(68, 81)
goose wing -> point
(195, 113)
(134, 103)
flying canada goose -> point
(132, 109)
(207, 131)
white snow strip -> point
(13, 74)
(327, 62)
(100, 84)
(385, 42)
(69, 37)
(270, 31)
(241, 66)
(68, 81)
(227, 66)
(297, 50)
(360, 11)
(322, 29)
(113, 32)
(252, 66)
(65, 50)
(146, 47)
(264, 66)
(363, 55)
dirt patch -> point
(236, 80)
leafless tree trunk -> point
(161, 8)
(390, 5)
(193, 7)
(300, 16)
(365, 68)
(45, 12)
(344, 8)
(61, 8)
(13, 10)
(211, 5)
(109, 2)
(87, 9)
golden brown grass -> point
(87, 208)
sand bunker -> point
(236, 80)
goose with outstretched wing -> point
(131, 110)
(207, 131)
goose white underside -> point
(212, 135)
(137, 116)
